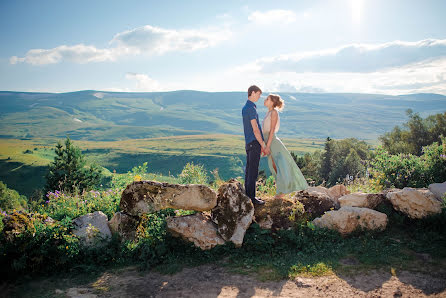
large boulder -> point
(234, 212)
(360, 199)
(124, 225)
(92, 228)
(415, 203)
(149, 196)
(196, 228)
(348, 219)
(277, 214)
(337, 191)
(316, 201)
(438, 189)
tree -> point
(415, 134)
(69, 172)
(327, 159)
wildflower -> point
(443, 156)
(66, 247)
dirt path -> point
(215, 281)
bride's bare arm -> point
(274, 117)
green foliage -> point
(39, 247)
(68, 171)
(120, 181)
(415, 134)
(310, 165)
(193, 174)
(11, 199)
(403, 170)
(342, 158)
(267, 186)
(60, 205)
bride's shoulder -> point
(275, 112)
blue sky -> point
(369, 46)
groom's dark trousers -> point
(253, 150)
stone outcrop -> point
(337, 191)
(196, 228)
(277, 214)
(92, 228)
(415, 203)
(234, 212)
(149, 196)
(360, 199)
(438, 189)
(348, 219)
(316, 201)
(124, 225)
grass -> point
(166, 156)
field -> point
(23, 162)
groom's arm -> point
(257, 134)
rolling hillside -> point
(112, 116)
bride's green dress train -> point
(289, 178)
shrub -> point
(410, 170)
(60, 205)
(193, 174)
(11, 199)
(68, 171)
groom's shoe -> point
(257, 201)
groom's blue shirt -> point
(249, 112)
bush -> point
(11, 199)
(410, 170)
(60, 205)
(193, 174)
(415, 134)
(68, 171)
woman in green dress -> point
(288, 176)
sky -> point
(365, 46)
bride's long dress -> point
(289, 178)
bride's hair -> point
(277, 101)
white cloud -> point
(147, 40)
(144, 82)
(356, 57)
(270, 17)
(78, 53)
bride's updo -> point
(277, 101)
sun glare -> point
(356, 10)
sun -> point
(356, 10)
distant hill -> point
(112, 116)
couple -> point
(288, 176)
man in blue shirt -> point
(254, 143)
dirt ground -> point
(216, 281)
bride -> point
(288, 176)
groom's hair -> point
(252, 89)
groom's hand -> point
(267, 151)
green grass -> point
(166, 156)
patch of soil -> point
(216, 281)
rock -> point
(360, 199)
(234, 212)
(142, 197)
(348, 219)
(415, 203)
(337, 191)
(124, 225)
(279, 214)
(18, 222)
(438, 189)
(195, 228)
(316, 201)
(92, 228)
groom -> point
(254, 143)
